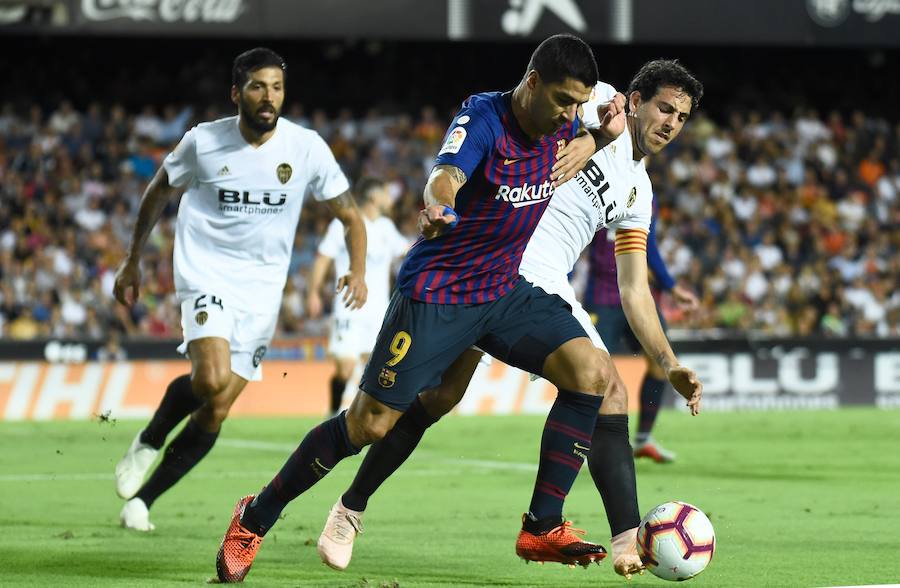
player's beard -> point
(252, 120)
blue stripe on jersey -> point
(507, 191)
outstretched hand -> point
(685, 382)
(354, 288)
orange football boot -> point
(238, 548)
(561, 544)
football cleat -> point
(136, 516)
(561, 544)
(336, 541)
(650, 448)
(238, 548)
(133, 466)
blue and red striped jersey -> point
(499, 206)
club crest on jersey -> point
(631, 197)
(284, 172)
(526, 195)
(201, 317)
(560, 144)
(387, 378)
(454, 141)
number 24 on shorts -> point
(399, 347)
(199, 302)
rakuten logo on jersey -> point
(526, 195)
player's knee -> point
(209, 381)
(593, 377)
(615, 400)
(367, 431)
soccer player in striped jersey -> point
(458, 287)
(602, 300)
(612, 191)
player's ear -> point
(532, 78)
(634, 101)
(235, 95)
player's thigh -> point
(580, 366)
(530, 326)
(416, 344)
(441, 400)
(207, 325)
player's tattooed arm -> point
(443, 184)
(440, 193)
(343, 207)
(128, 276)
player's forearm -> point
(318, 272)
(355, 237)
(640, 310)
(153, 202)
(343, 207)
(601, 139)
(443, 184)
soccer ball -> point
(676, 541)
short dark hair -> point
(253, 60)
(364, 187)
(564, 56)
(660, 73)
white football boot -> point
(135, 516)
(133, 466)
(336, 541)
(626, 560)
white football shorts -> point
(353, 333)
(248, 333)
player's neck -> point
(253, 138)
(636, 152)
(520, 112)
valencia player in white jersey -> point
(353, 331)
(244, 179)
(612, 191)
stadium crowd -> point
(783, 225)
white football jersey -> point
(384, 244)
(236, 221)
(613, 191)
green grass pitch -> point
(797, 498)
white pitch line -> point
(475, 463)
(283, 448)
(107, 476)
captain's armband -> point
(631, 241)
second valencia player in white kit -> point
(353, 331)
(244, 178)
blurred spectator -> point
(785, 226)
